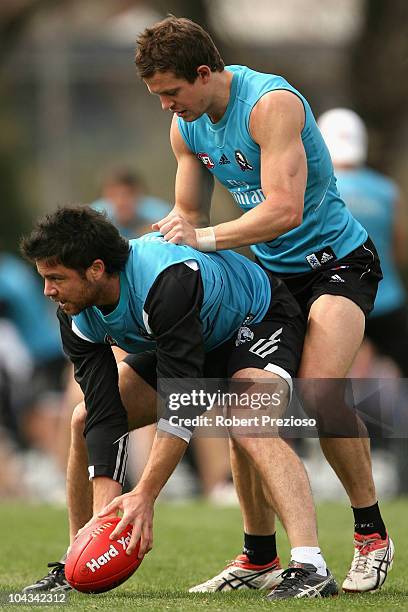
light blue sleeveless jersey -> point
(372, 197)
(234, 288)
(229, 153)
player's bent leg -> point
(256, 505)
(268, 462)
(328, 335)
(350, 458)
(286, 480)
(259, 520)
(280, 471)
(79, 488)
(79, 502)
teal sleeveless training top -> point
(234, 288)
(228, 151)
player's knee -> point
(262, 393)
(327, 401)
(319, 395)
(78, 419)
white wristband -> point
(205, 237)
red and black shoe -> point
(373, 558)
(241, 574)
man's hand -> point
(177, 230)
(137, 508)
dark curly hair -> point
(74, 237)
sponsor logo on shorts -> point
(325, 257)
(335, 278)
(265, 346)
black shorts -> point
(389, 334)
(355, 276)
(275, 344)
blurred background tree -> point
(379, 72)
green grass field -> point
(192, 542)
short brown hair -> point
(177, 45)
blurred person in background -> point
(16, 369)
(127, 205)
(34, 409)
(375, 200)
(23, 303)
(257, 135)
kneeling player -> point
(181, 314)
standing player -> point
(258, 136)
(182, 315)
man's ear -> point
(96, 270)
(204, 73)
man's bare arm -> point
(194, 185)
(276, 124)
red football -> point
(95, 563)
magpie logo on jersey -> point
(224, 160)
(242, 161)
(265, 346)
(206, 159)
(109, 340)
